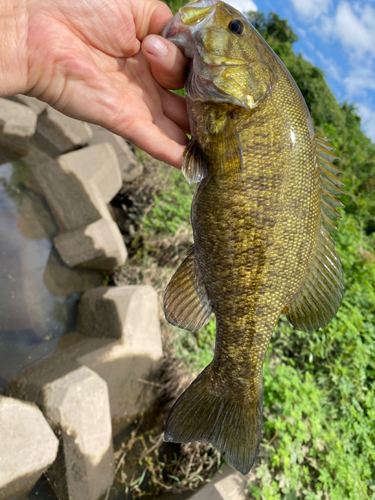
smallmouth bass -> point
(261, 219)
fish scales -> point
(260, 245)
(267, 248)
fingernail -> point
(156, 47)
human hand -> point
(84, 58)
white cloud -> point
(368, 120)
(243, 5)
(355, 28)
(311, 9)
(305, 56)
(353, 25)
(360, 79)
(325, 27)
(301, 31)
(330, 66)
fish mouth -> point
(182, 28)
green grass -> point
(175, 5)
(196, 350)
(171, 207)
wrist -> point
(13, 47)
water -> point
(38, 293)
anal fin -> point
(186, 303)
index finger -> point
(168, 63)
(163, 140)
(150, 16)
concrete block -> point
(98, 245)
(28, 447)
(97, 164)
(61, 280)
(30, 382)
(35, 156)
(73, 202)
(130, 377)
(77, 408)
(127, 363)
(129, 313)
(58, 134)
(35, 220)
(227, 484)
(31, 102)
(17, 124)
(129, 166)
(89, 237)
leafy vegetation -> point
(175, 5)
(319, 388)
(171, 208)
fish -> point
(261, 216)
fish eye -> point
(236, 26)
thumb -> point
(168, 63)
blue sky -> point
(337, 36)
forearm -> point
(13, 47)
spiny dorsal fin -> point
(186, 303)
(330, 184)
(323, 287)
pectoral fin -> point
(228, 147)
(186, 302)
(194, 166)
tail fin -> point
(203, 414)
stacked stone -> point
(91, 389)
(79, 168)
(28, 447)
(77, 187)
(96, 380)
(17, 127)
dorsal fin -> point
(323, 287)
(330, 184)
(322, 290)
